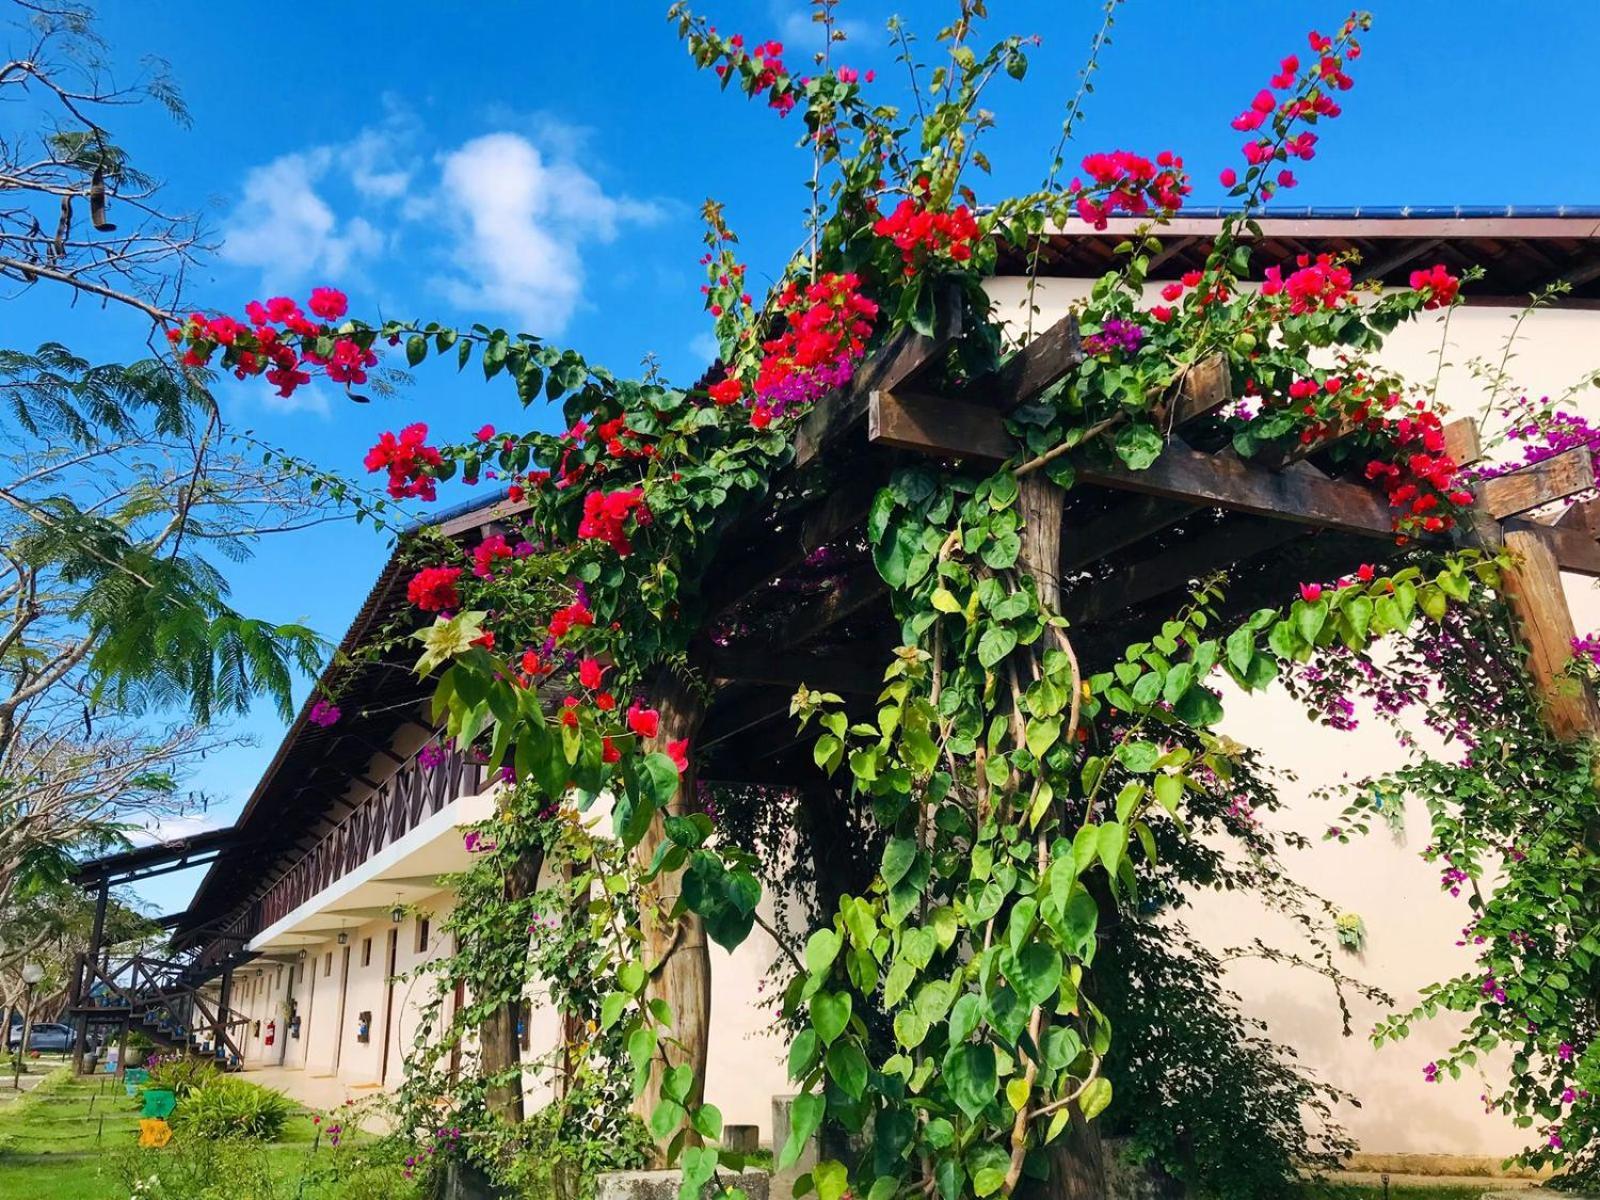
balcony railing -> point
(402, 802)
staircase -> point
(168, 999)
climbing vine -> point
(1021, 799)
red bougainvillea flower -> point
(569, 712)
(609, 752)
(590, 673)
(1365, 573)
(575, 615)
(328, 303)
(433, 589)
(678, 751)
(531, 663)
(920, 234)
(826, 327)
(407, 458)
(728, 391)
(1440, 285)
(605, 514)
(646, 722)
(605, 702)
(1311, 592)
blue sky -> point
(541, 166)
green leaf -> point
(910, 1028)
(803, 1053)
(965, 1016)
(830, 1013)
(1042, 734)
(997, 642)
(1035, 972)
(970, 1074)
(847, 1066)
(805, 1118)
(1096, 1097)
(831, 1179)
(416, 349)
(1138, 445)
(821, 949)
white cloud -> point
(169, 829)
(705, 349)
(521, 221)
(304, 399)
(799, 32)
(509, 213)
(283, 226)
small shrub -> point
(228, 1109)
(180, 1074)
(197, 1171)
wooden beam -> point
(1574, 550)
(1125, 523)
(1461, 441)
(1234, 540)
(1026, 375)
(858, 670)
(855, 592)
(900, 359)
(800, 534)
(1556, 478)
(1533, 589)
(937, 426)
(1204, 388)
(1299, 493)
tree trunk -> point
(675, 949)
(1078, 1160)
(500, 1047)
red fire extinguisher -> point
(272, 1030)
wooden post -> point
(83, 983)
(675, 950)
(1078, 1160)
(1533, 589)
(122, 1047)
(500, 1047)
(219, 1027)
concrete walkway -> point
(314, 1090)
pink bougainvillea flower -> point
(678, 751)
(329, 303)
(1311, 592)
(590, 672)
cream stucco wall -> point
(1412, 925)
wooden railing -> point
(161, 996)
(407, 798)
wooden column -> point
(500, 1048)
(1533, 589)
(83, 983)
(1078, 1160)
(219, 1029)
(675, 949)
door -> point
(338, 1028)
(388, 1000)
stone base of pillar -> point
(663, 1185)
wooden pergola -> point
(793, 597)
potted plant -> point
(139, 1045)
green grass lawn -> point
(57, 1141)
(1350, 1191)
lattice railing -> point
(407, 798)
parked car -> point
(45, 1037)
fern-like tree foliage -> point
(118, 643)
(122, 496)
